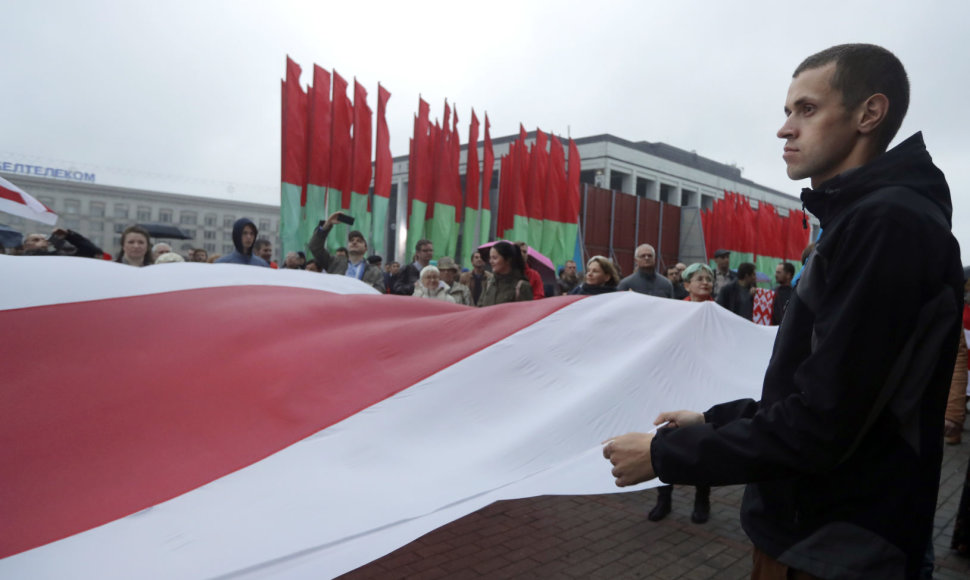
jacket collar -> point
(908, 164)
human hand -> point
(679, 418)
(332, 219)
(952, 431)
(630, 456)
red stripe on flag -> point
(11, 195)
(134, 401)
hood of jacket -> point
(237, 230)
(907, 165)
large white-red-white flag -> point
(198, 421)
(18, 202)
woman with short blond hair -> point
(601, 277)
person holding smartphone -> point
(355, 264)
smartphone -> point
(346, 219)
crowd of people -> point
(499, 273)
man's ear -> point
(873, 112)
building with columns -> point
(662, 172)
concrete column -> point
(627, 185)
(401, 223)
(707, 202)
(672, 192)
(690, 198)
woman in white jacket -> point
(431, 286)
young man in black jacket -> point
(842, 453)
(738, 296)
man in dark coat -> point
(738, 296)
(723, 274)
(784, 273)
(842, 453)
(645, 279)
(673, 274)
(409, 275)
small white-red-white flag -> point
(18, 202)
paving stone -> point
(608, 536)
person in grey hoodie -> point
(244, 234)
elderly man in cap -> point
(353, 264)
(723, 275)
(449, 275)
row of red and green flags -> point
(761, 236)
(327, 166)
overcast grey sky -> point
(184, 96)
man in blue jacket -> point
(842, 453)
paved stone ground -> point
(609, 537)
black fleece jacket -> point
(842, 454)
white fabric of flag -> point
(522, 415)
(18, 202)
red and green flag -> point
(341, 156)
(571, 205)
(761, 236)
(535, 191)
(445, 203)
(382, 174)
(513, 216)
(419, 176)
(319, 115)
(559, 228)
(361, 162)
(472, 237)
(293, 162)
(485, 213)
